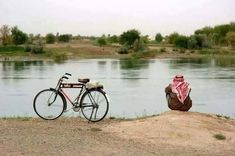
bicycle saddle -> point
(83, 80)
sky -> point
(97, 17)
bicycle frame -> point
(59, 88)
(81, 86)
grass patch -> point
(112, 117)
(11, 49)
(216, 51)
(143, 116)
(18, 118)
(218, 115)
(219, 136)
(119, 118)
(223, 116)
(147, 116)
(94, 129)
(227, 117)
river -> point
(135, 87)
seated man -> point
(177, 94)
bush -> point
(230, 37)
(101, 41)
(139, 45)
(50, 38)
(182, 50)
(174, 49)
(219, 136)
(129, 37)
(181, 41)
(27, 48)
(158, 38)
(36, 48)
(64, 38)
(113, 39)
(192, 42)
(172, 38)
(163, 50)
(123, 50)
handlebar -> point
(65, 76)
(61, 80)
(68, 74)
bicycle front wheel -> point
(94, 105)
(48, 104)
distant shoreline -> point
(88, 50)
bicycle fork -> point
(48, 101)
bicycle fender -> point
(62, 96)
(102, 90)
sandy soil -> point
(170, 133)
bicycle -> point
(50, 104)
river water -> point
(135, 87)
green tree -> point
(145, 39)
(158, 38)
(31, 38)
(18, 37)
(172, 37)
(192, 42)
(230, 37)
(206, 30)
(181, 41)
(64, 37)
(199, 41)
(113, 39)
(50, 38)
(129, 37)
(5, 34)
(222, 30)
(139, 45)
(101, 41)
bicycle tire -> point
(89, 100)
(46, 110)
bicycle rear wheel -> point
(48, 104)
(94, 105)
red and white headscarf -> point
(180, 87)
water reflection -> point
(18, 66)
(203, 62)
(225, 61)
(134, 63)
(102, 64)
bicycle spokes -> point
(48, 104)
(94, 105)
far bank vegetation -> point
(207, 40)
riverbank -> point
(170, 133)
(80, 50)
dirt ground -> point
(170, 133)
